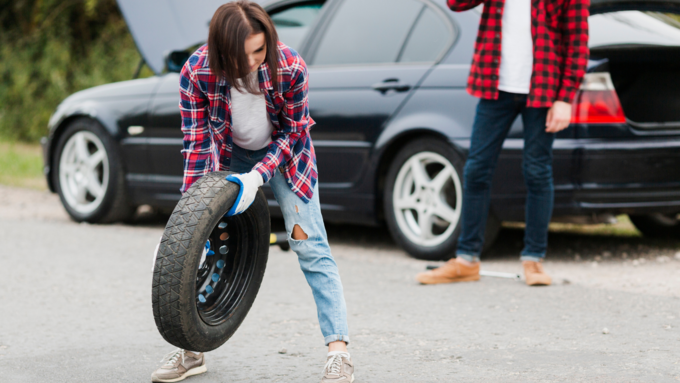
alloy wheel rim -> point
(84, 172)
(427, 199)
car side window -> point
(367, 32)
(292, 24)
(430, 36)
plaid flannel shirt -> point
(205, 106)
(560, 34)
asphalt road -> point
(75, 307)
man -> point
(530, 57)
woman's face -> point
(256, 50)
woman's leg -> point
(307, 237)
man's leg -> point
(492, 123)
(537, 169)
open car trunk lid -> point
(641, 43)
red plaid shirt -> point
(205, 106)
(560, 33)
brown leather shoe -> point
(451, 271)
(535, 275)
(179, 365)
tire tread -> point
(172, 292)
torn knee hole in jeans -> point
(298, 234)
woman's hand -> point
(559, 117)
(249, 183)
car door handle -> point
(391, 84)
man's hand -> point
(249, 183)
(559, 116)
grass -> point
(38, 73)
(21, 165)
(622, 228)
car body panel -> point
(116, 107)
(601, 6)
(597, 168)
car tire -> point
(200, 299)
(441, 204)
(88, 174)
(657, 225)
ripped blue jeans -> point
(314, 253)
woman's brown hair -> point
(230, 26)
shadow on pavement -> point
(562, 245)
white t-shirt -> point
(250, 124)
(517, 48)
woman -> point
(244, 108)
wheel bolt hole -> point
(224, 236)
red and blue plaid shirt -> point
(205, 106)
(560, 33)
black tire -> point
(447, 248)
(658, 225)
(115, 204)
(181, 318)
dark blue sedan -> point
(387, 90)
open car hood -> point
(161, 26)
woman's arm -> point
(293, 121)
(463, 5)
(193, 107)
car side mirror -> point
(174, 61)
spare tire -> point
(209, 267)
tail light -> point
(597, 102)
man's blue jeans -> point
(492, 124)
(314, 253)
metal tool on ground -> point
(486, 273)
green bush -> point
(50, 49)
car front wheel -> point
(88, 175)
(423, 200)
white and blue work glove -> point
(249, 183)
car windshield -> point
(634, 28)
(293, 23)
